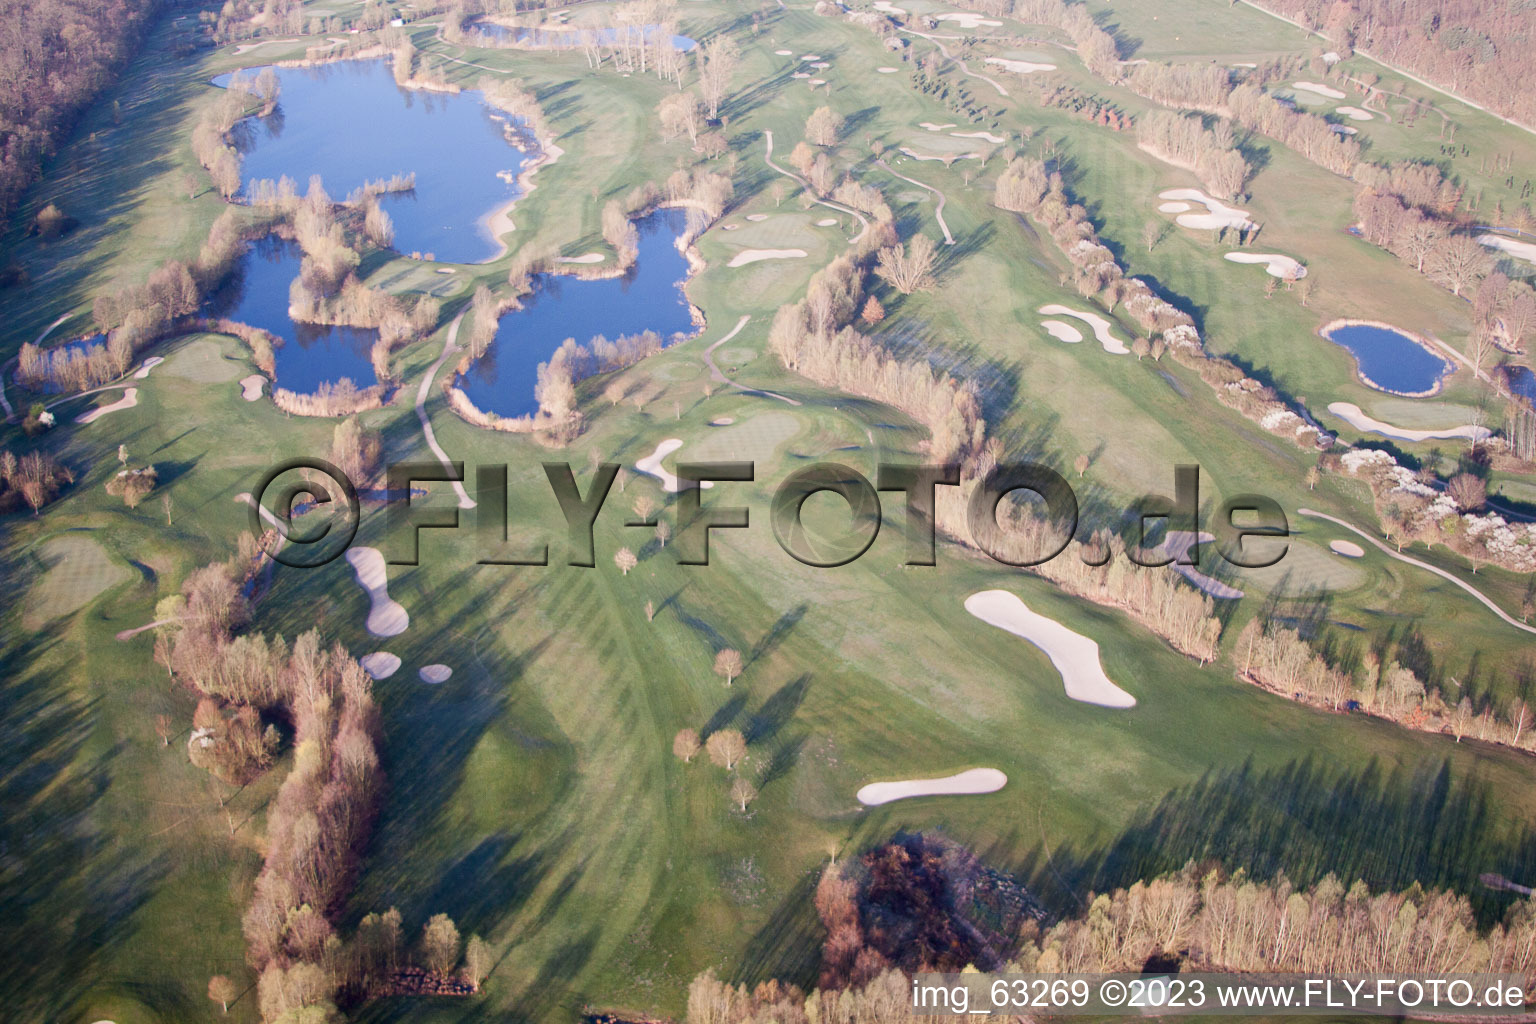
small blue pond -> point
(311, 354)
(349, 122)
(1522, 382)
(649, 298)
(562, 37)
(1391, 361)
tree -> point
(742, 793)
(1080, 464)
(478, 960)
(165, 728)
(1313, 475)
(1152, 233)
(625, 559)
(802, 158)
(726, 748)
(1459, 262)
(1469, 492)
(122, 454)
(873, 312)
(908, 267)
(728, 664)
(644, 508)
(717, 61)
(650, 611)
(685, 744)
(681, 113)
(663, 533)
(823, 127)
(440, 944)
(222, 991)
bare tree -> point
(222, 991)
(1152, 233)
(663, 532)
(742, 793)
(823, 127)
(726, 748)
(1469, 492)
(685, 744)
(908, 267)
(478, 960)
(644, 508)
(1080, 464)
(650, 611)
(717, 62)
(625, 559)
(681, 113)
(165, 728)
(1459, 262)
(440, 944)
(728, 664)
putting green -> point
(203, 361)
(77, 570)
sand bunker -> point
(801, 74)
(784, 53)
(386, 617)
(934, 127)
(757, 216)
(1062, 332)
(1321, 90)
(1276, 265)
(1352, 414)
(977, 780)
(723, 421)
(250, 387)
(1075, 656)
(380, 664)
(149, 364)
(966, 19)
(746, 256)
(1347, 548)
(936, 157)
(821, 65)
(1343, 129)
(1172, 207)
(810, 56)
(996, 140)
(1176, 544)
(886, 7)
(1220, 216)
(1100, 327)
(729, 227)
(1520, 250)
(887, 71)
(651, 466)
(1356, 114)
(1020, 67)
(434, 674)
(827, 222)
(587, 257)
(128, 401)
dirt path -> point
(449, 348)
(1487, 601)
(717, 375)
(129, 634)
(938, 208)
(958, 63)
(768, 159)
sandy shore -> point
(976, 780)
(1075, 656)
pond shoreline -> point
(1418, 339)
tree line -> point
(1210, 152)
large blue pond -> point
(649, 298)
(310, 354)
(1391, 361)
(349, 122)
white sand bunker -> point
(1172, 207)
(387, 617)
(723, 421)
(434, 674)
(1062, 332)
(1220, 216)
(1176, 545)
(1100, 327)
(1347, 548)
(977, 780)
(827, 222)
(810, 56)
(1320, 90)
(250, 387)
(1520, 250)
(651, 466)
(887, 71)
(128, 401)
(1020, 67)
(1343, 129)
(1356, 114)
(996, 140)
(934, 127)
(937, 157)
(746, 256)
(784, 53)
(380, 664)
(1352, 414)
(1276, 265)
(886, 7)
(967, 19)
(586, 257)
(1075, 656)
(149, 364)
(754, 217)
(729, 227)
(801, 74)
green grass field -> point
(534, 796)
